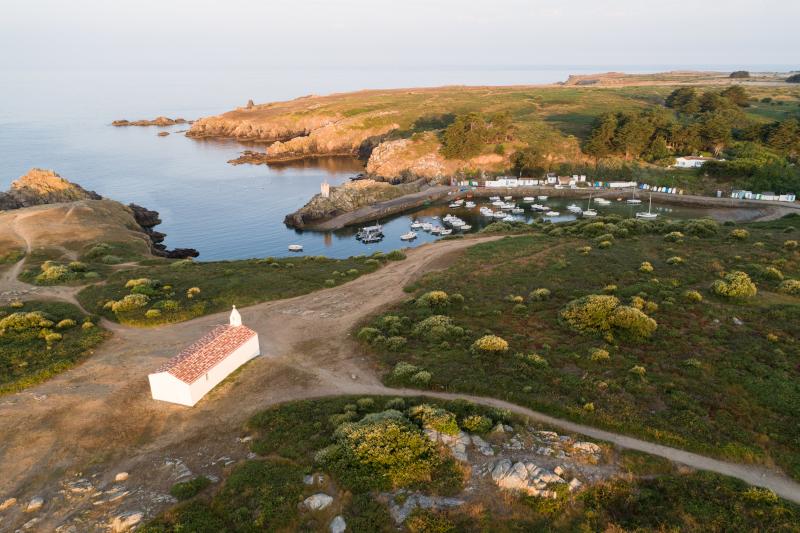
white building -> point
(188, 376)
(691, 161)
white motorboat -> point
(494, 198)
(572, 208)
(416, 225)
(649, 213)
(542, 197)
(410, 236)
(539, 207)
(552, 214)
(454, 205)
(436, 230)
(427, 226)
(295, 247)
(589, 213)
(508, 198)
(498, 203)
(498, 214)
(529, 199)
(507, 206)
(445, 231)
(508, 218)
(518, 211)
(470, 205)
(602, 201)
(466, 227)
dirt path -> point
(99, 416)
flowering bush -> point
(602, 314)
(693, 297)
(192, 292)
(790, 245)
(638, 371)
(735, 285)
(433, 300)
(435, 418)
(740, 234)
(66, 323)
(539, 295)
(599, 355)
(584, 250)
(646, 267)
(130, 302)
(675, 260)
(772, 273)
(404, 370)
(604, 244)
(477, 424)
(153, 313)
(421, 378)
(674, 236)
(437, 328)
(490, 344)
(633, 321)
(790, 286)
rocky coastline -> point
(158, 121)
(43, 187)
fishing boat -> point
(552, 214)
(649, 214)
(633, 200)
(498, 203)
(410, 236)
(370, 231)
(295, 247)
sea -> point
(61, 120)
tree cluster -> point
(468, 134)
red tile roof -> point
(206, 353)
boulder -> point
(524, 477)
(39, 187)
(8, 503)
(338, 525)
(36, 503)
(586, 447)
(126, 521)
(574, 485)
(317, 502)
(482, 446)
(122, 476)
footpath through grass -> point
(166, 292)
(370, 446)
(644, 328)
(41, 339)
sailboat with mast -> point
(589, 212)
(633, 200)
(649, 214)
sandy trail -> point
(101, 412)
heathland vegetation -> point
(163, 291)
(684, 333)
(41, 339)
(364, 451)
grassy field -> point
(172, 291)
(295, 439)
(41, 339)
(718, 375)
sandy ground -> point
(99, 417)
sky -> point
(107, 34)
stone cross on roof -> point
(236, 318)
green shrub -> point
(674, 236)
(395, 255)
(693, 297)
(330, 282)
(536, 360)
(604, 244)
(790, 286)
(66, 323)
(437, 328)
(633, 321)
(435, 418)
(539, 295)
(368, 334)
(599, 355)
(130, 302)
(433, 300)
(638, 371)
(404, 370)
(110, 260)
(590, 313)
(352, 272)
(192, 292)
(646, 267)
(456, 299)
(77, 266)
(790, 245)
(490, 344)
(584, 250)
(189, 489)
(153, 313)
(52, 274)
(425, 521)
(675, 260)
(772, 273)
(736, 284)
(477, 424)
(740, 234)
(395, 343)
(421, 378)
(365, 404)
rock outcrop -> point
(344, 199)
(148, 219)
(158, 121)
(39, 187)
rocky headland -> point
(40, 187)
(158, 121)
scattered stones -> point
(318, 501)
(36, 503)
(586, 447)
(515, 443)
(524, 477)
(559, 471)
(122, 476)
(482, 446)
(30, 523)
(413, 501)
(248, 438)
(126, 521)
(338, 525)
(457, 443)
(80, 486)
(8, 503)
(737, 321)
(181, 470)
(574, 485)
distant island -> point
(158, 121)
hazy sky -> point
(50, 34)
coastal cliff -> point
(40, 187)
(158, 121)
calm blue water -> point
(60, 120)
